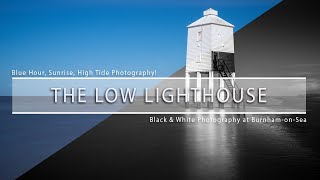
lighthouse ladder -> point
(221, 66)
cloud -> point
(313, 86)
(309, 70)
(303, 70)
(311, 65)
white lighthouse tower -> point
(210, 51)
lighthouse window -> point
(199, 36)
(199, 59)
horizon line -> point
(20, 112)
(150, 78)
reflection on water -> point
(211, 148)
(233, 150)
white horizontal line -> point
(159, 112)
(147, 78)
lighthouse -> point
(210, 53)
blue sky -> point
(96, 34)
